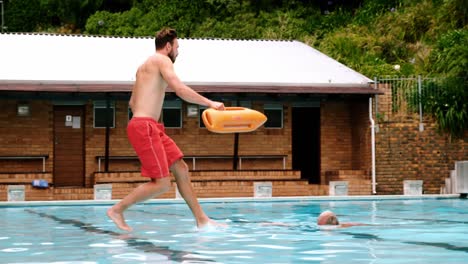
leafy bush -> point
(450, 56)
(36, 15)
(23, 16)
(447, 101)
(358, 49)
(120, 24)
(371, 10)
(452, 14)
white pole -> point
(421, 125)
(372, 146)
(376, 104)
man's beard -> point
(172, 57)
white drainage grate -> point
(103, 192)
(413, 187)
(263, 189)
(461, 171)
(16, 193)
(338, 188)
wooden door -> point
(68, 146)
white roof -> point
(77, 59)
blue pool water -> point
(400, 231)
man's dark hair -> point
(164, 36)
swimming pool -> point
(401, 231)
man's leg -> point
(181, 173)
(141, 193)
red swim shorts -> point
(156, 151)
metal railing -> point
(402, 100)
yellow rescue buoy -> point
(233, 120)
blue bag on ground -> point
(40, 183)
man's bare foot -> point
(210, 222)
(118, 220)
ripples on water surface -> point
(400, 231)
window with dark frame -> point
(172, 114)
(274, 113)
(246, 104)
(200, 119)
(130, 113)
(100, 111)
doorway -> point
(306, 142)
(68, 146)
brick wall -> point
(345, 136)
(344, 139)
(223, 183)
(360, 135)
(33, 135)
(23, 136)
(95, 140)
(205, 184)
(335, 134)
(191, 139)
(404, 153)
(359, 182)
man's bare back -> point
(149, 89)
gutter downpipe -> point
(372, 142)
(372, 145)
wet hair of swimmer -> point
(327, 218)
(332, 220)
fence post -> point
(421, 125)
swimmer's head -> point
(327, 218)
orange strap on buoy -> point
(233, 120)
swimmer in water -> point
(328, 218)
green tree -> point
(118, 24)
(450, 56)
(23, 16)
(146, 17)
(41, 15)
(447, 101)
(70, 12)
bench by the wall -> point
(30, 157)
(283, 157)
(195, 158)
(103, 158)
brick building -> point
(64, 111)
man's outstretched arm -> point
(182, 90)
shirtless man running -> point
(157, 152)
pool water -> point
(399, 231)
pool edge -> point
(236, 199)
